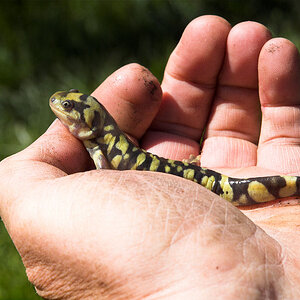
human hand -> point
(144, 235)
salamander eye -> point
(67, 104)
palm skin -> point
(89, 234)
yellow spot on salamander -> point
(243, 199)
(167, 169)
(134, 149)
(109, 128)
(154, 164)
(204, 181)
(107, 138)
(208, 182)
(179, 169)
(172, 162)
(226, 188)
(189, 174)
(88, 116)
(291, 187)
(122, 144)
(126, 156)
(89, 113)
(116, 161)
(258, 192)
(111, 144)
(139, 160)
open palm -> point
(85, 234)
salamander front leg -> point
(99, 159)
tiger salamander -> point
(108, 146)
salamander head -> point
(83, 115)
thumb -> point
(57, 153)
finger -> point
(132, 95)
(132, 91)
(235, 116)
(188, 88)
(279, 78)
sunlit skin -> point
(87, 234)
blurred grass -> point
(47, 46)
(14, 284)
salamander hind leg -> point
(194, 160)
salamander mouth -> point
(61, 115)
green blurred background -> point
(47, 46)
